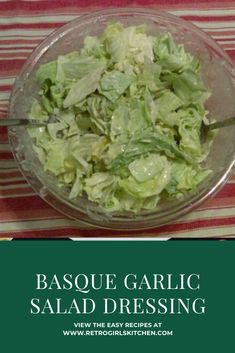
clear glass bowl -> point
(218, 74)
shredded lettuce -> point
(83, 87)
(128, 110)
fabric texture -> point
(23, 25)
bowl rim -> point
(183, 207)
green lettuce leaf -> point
(47, 71)
(184, 178)
(93, 47)
(77, 68)
(100, 187)
(189, 131)
(153, 166)
(172, 56)
(144, 145)
(127, 47)
(114, 84)
(168, 102)
(83, 87)
(38, 112)
(189, 87)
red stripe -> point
(5, 87)
(222, 32)
(37, 233)
(29, 203)
(3, 110)
(210, 18)
(6, 155)
(28, 214)
(11, 65)
(231, 53)
(217, 203)
(14, 56)
(10, 174)
(4, 137)
(9, 183)
(227, 191)
(21, 48)
(3, 130)
(70, 7)
(228, 46)
(225, 39)
(18, 41)
(6, 72)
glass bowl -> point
(218, 75)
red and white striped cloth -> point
(23, 25)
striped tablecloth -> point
(23, 25)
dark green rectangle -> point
(212, 261)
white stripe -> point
(7, 164)
(4, 96)
(230, 181)
(5, 147)
(15, 51)
(9, 170)
(41, 224)
(208, 214)
(20, 37)
(7, 81)
(204, 12)
(215, 24)
(18, 45)
(13, 196)
(9, 180)
(68, 17)
(217, 30)
(20, 33)
(37, 19)
(219, 231)
(15, 186)
(222, 36)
